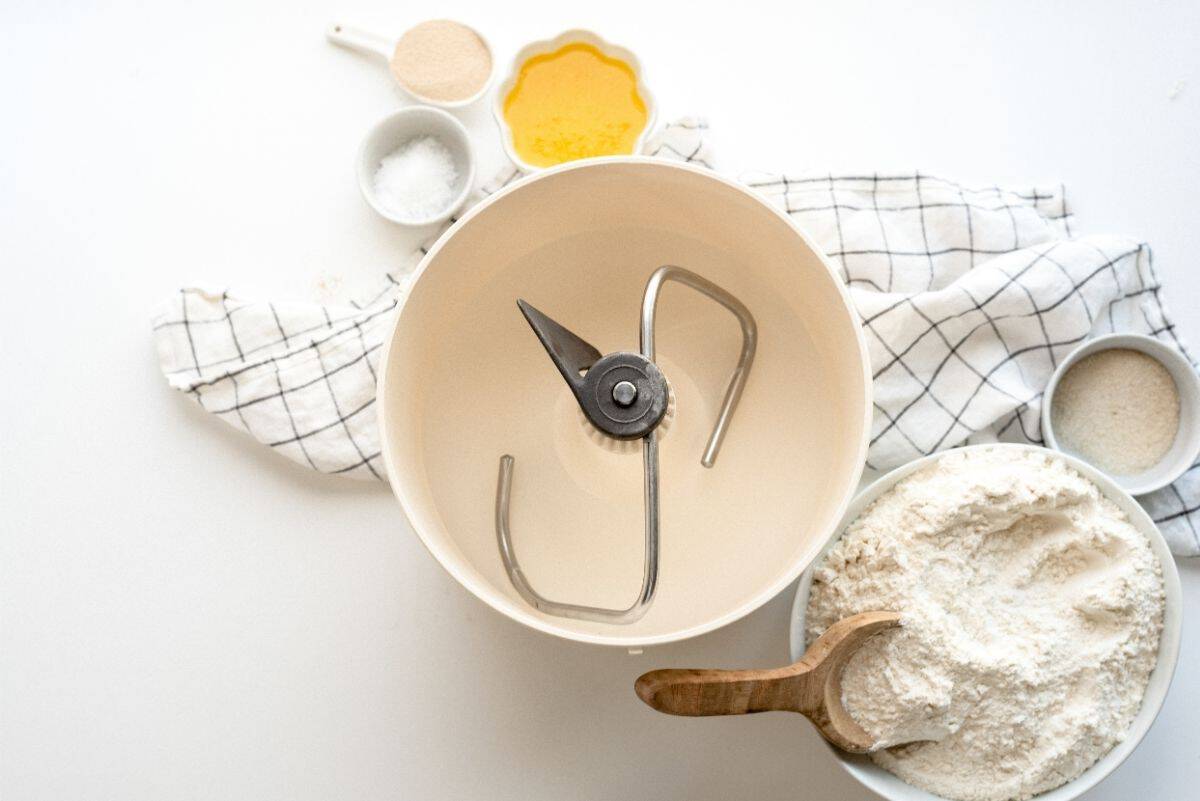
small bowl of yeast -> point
(1129, 405)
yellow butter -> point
(574, 103)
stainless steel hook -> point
(624, 395)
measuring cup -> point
(371, 43)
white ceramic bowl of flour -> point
(892, 787)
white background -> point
(187, 615)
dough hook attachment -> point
(624, 395)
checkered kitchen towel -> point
(970, 296)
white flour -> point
(1031, 611)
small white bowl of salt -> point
(416, 166)
(1129, 405)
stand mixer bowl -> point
(462, 382)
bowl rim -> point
(881, 781)
(542, 46)
(365, 174)
(1156, 349)
(511, 607)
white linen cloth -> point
(969, 297)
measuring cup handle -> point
(360, 40)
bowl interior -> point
(404, 126)
(466, 381)
(1182, 453)
(892, 787)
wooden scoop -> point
(812, 686)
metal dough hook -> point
(625, 396)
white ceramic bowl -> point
(892, 787)
(463, 381)
(549, 46)
(1182, 454)
(402, 126)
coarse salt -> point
(417, 181)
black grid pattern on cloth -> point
(296, 377)
(969, 299)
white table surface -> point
(184, 614)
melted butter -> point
(574, 103)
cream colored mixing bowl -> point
(464, 381)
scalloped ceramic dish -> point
(545, 46)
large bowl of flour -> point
(1042, 623)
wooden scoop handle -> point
(811, 686)
(685, 691)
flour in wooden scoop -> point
(1032, 610)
